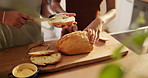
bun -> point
(61, 20)
(44, 60)
(74, 43)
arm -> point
(55, 4)
(46, 9)
(111, 11)
(14, 18)
(95, 27)
(57, 7)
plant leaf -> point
(116, 54)
(111, 71)
(138, 40)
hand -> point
(94, 29)
(67, 14)
(16, 19)
(69, 29)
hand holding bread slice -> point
(62, 20)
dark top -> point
(85, 10)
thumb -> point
(69, 14)
(86, 29)
(75, 28)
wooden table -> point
(92, 70)
(87, 71)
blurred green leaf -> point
(111, 71)
(139, 39)
(116, 54)
(141, 19)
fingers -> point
(75, 28)
(75, 23)
(72, 28)
(69, 14)
(17, 26)
(59, 26)
(98, 36)
(27, 17)
(23, 21)
(19, 23)
(92, 35)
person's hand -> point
(69, 29)
(67, 14)
(16, 19)
(94, 29)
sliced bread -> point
(44, 60)
(61, 20)
(40, 48)
(30, 46)
(42, 53)
(103, 38)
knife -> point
(41, 19)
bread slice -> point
(74, 43)
(41, 53)
(103, 38)
(30, 46)
(44, 60)
(61, 20)
(40, 48)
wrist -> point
(102, 19)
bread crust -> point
(30, 46)
(74, 43)
(41, 53)
(103, 38)
(39, 48)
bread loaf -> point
(74, 43)
(61, 20)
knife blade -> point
(41, 19)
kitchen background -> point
(121, 22)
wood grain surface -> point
(11, 57)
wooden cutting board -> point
(102, 51)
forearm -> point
(46, 9)
(55, 4)
(108, 16)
